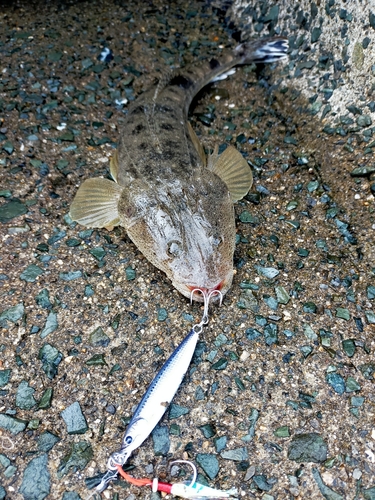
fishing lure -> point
(192, 490)
(157, 397)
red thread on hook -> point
(166, 487)
(133, 480)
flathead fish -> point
(175, 203)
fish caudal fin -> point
(266, 50)
(233, 169)
(96, 203)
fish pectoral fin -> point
(197, 144)
(233, 169)
(113, 166)
(96, 203)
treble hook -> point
(206, 300)
(194, 478)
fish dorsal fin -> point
(113, 166)
(197, 144)
(233, 169)
(96, 203)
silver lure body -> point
(157, 398)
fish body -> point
(157, 397)
(175, 203)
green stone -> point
(246, 217)
(343, 313)
(370, 291)
(315, 34)
(237, 455)
(98, 338)
(370, 316)
(12, 209)
(309, 332)
(4, 377)
(74, 419)
(73, 242)
(367, 370)
(252, 333)
(292, 205)
(369, 493)
(209, 464)
(261, 482)
(72, 495)
(130, 273)
(282, 431)
(220, 365)
(207, 430)
(36, 482)
(12, 314)
(78, 457)
(352, 385)
(270, 334)
(357, 401)
(309, 307)
(248, 301)
(162, 314)
(50, 326)
(24, 397)
(348, 346)
(96, 360)
(161, 440)
(307, 448)
(327, 492)
(220, 443)
(268, 272)
(271, 302)
(46, 399)
(50, 358)
(42, 299)
(12, 424)
(31, 273)
(336, 381)
(98, 253)
(282, 295)
(8, 147)
(70, 276)
(47, 441)
(363, 171)
(176, 411)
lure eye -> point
(174, 248)
(128, 439)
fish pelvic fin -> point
(197, 144)
(265, 50)
(233, 169)
(96, 203)
(113, 166)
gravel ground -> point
(279, 399)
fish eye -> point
(128, 439)
(217, 240)
(174, 248)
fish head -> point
(186, 230)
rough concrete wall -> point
(332, 54)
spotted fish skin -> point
(174, 203)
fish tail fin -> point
(266, 50)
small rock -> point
(160, 437)
(36, 482)
(307, 448)
(24, 398)
(209, 464)
(74, 419)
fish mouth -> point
(199, 293)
